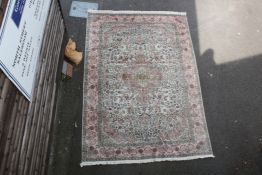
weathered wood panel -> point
(24, 126)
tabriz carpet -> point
(142, 97)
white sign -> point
(20, 41)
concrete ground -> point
(227, 39)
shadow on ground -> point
(232, 99)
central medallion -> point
(142, 77)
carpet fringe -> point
(137, 12)
(145, 160)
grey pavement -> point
(227, 39)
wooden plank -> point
(9, 135)
(44, 101)
(49, 109)
(8, 101)
(18, 141)
(38, 102)
(3, 6)
(16, 134)
(2, 103)
(44, 152)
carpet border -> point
(200, 89)
(119, 162)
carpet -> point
(142, 98)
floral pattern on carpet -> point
(142, 97)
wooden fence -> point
(25, 127)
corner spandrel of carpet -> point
(142, 96)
